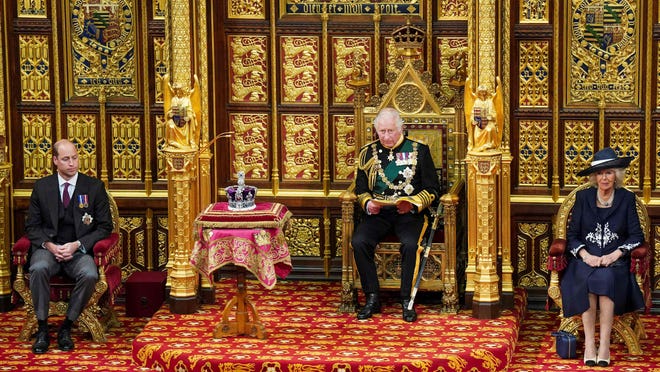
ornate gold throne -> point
(410, 91)
(628, 328)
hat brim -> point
(622, 162)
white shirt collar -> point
(71, 182)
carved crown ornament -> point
(408, 72)
(409, 39)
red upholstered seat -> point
(99, 314)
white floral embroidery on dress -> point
(602, 236)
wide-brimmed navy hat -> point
(606, 159)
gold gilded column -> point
(504, 226)
(182, 161)
(359, 83)
(483, 173)
(182, 201)
(5, 190)
(488, 162)
(5, 234)
(207, 291)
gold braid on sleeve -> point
(422, 200)
(366, 164)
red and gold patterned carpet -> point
(306, 333)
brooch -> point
(87, 219)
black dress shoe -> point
(41, 342)
(408, 315)
(64, 341)
(370, 308)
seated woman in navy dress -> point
(603, 229)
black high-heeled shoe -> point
(603, 362)
(589, 362)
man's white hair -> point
(388, 112)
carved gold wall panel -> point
(248, 9)
(4, 155)
(345, 146)
(303, 236)
(577, 149)
(132, 230)
(248, 71)
(81, 130)
(32, 8)
(534, 11)
(657, 154)
(301, 145)
(37, 144)
(249, 145)
(160, 66)
(533, 240)
(159, 9)
(602, 59)
(339, 237)
(103, 47)
(161, 170)
(655, 281)
(126, 147)
(625, 138)
(35, 67)
(161, 244)
(452, 54)
(299, 69)
(534, 74)
(533, 158)
(350, 54)
(452, 9)
(657, 76)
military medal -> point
(87, 219)
(403, 158)
(83, 201)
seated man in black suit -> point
(68, 213)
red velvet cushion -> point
(641, 251)
(20, 250)
(558, 247)
(105, 248)
(265, 216)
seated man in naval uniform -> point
(396, 182)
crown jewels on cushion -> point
(241, 197)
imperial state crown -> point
(241, 197)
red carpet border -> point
(533, 351)
(114, 355)
(307, 333)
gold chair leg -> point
(628, 336)
(88, 321)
